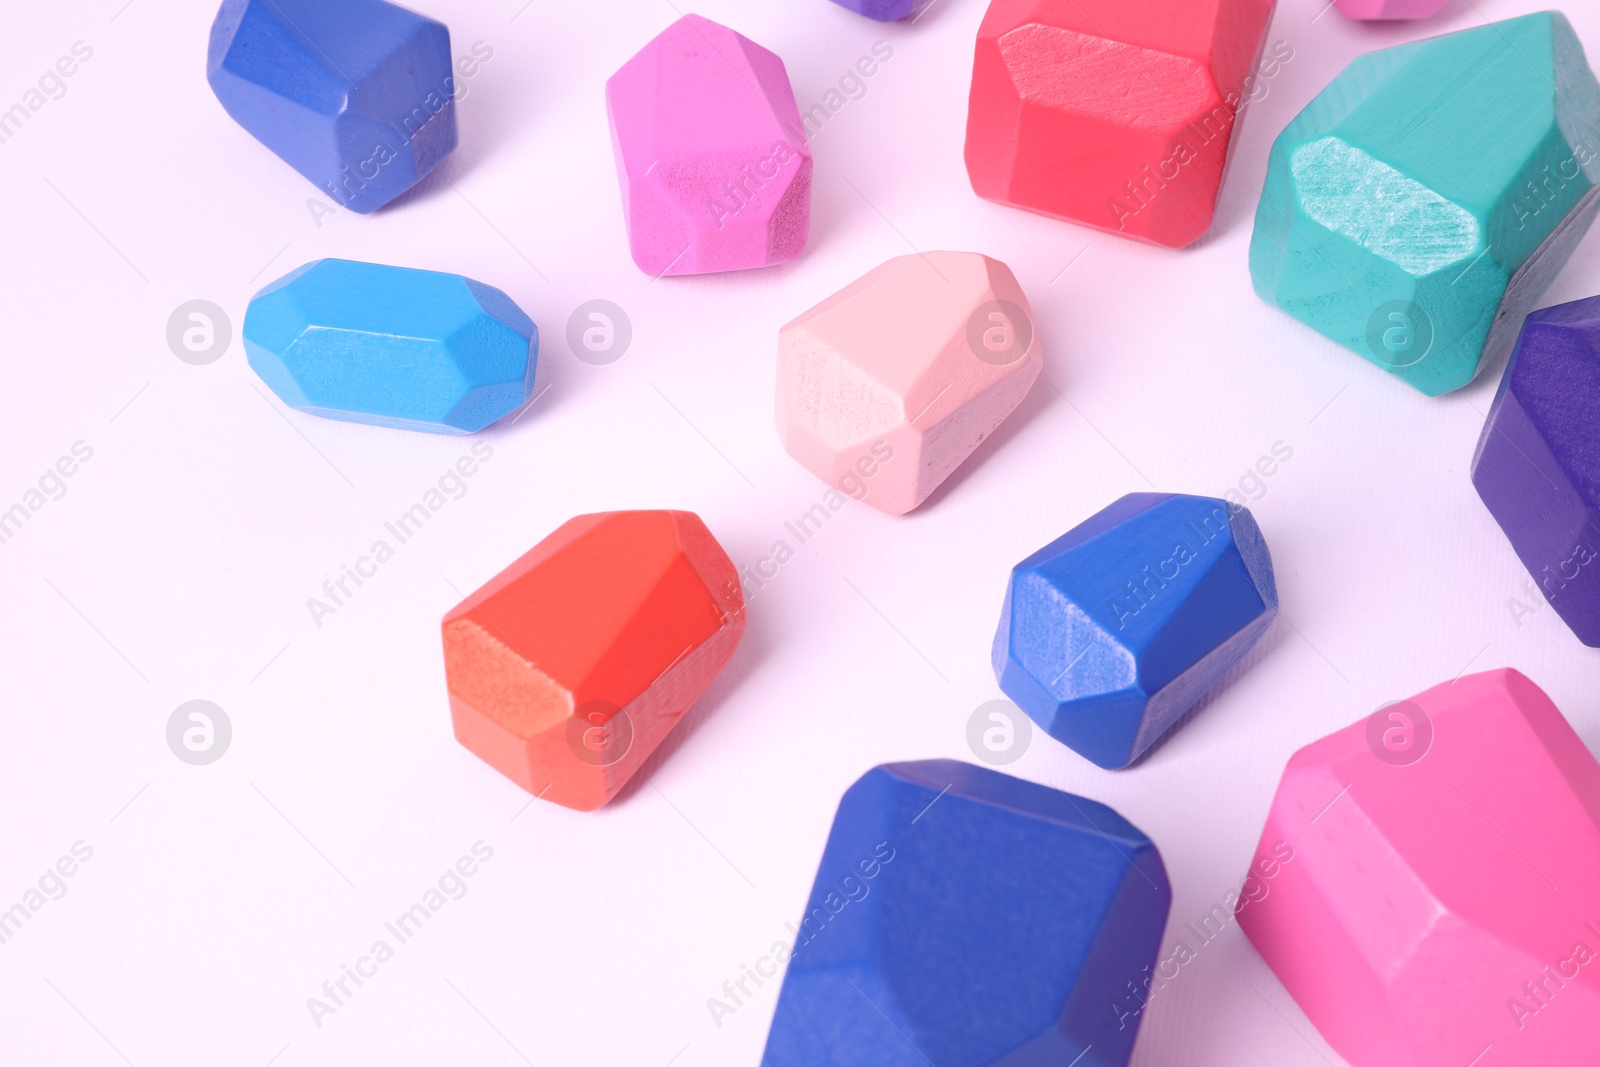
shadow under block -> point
(391, 346)
(1112, 114)
(886, 387)
(1537, 466)
(1448, 902)
(1418, 207)
(714, 165)
(358, 96)
(568, 668)
(1110, 634)
(969, 919)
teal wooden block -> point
(1418, 207)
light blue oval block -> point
(1418, 207)
(390, 346)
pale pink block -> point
(715, 170)
(888, 385)
(1390, 9)
(1452, 905)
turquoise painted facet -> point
(390, 346)
(1418, 207)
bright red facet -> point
(569, 667)
(1112, 114)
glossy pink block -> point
(1435, 907)
(887, 386)
(711, 155)
(1390, 9)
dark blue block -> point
(885, 10)
(1110, 634)
(357, 95)
(965, 918)
(1538, 462)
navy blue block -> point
(965, 918)
(357, 95)
(1111, 633)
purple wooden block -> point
(1538, 462)
(885, 10)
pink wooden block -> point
(890, 384)
(1442, 891)
(712, 158)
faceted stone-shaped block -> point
(358, 95)
(886, 10)
(1112, 632)
(1390, 9)
(1112, 114)
(887, 386)
(966, 918)
(1443, 899)
(715, 170)
(390, 346)
(569, 667)
(1416, 209)
(1538, 461)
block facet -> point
(1111, 633)
(1416, 209)
(886, 10)
(1538, 461)
(966, 918)
(886, 387)
(569, 667)
(390, 346)
(358, 96)
(1390, 9)
(713, 162)
(1448, 902)
(1113, 115)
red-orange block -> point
(1113, 114)
(570, 666)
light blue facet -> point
(390, 346)
(1111, 634)
(356, 95)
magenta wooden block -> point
(711, 155)
(1438, 882)
(1390, 9)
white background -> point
(178, 564)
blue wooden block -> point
(1538, 462)
(965, 918)
(1111, 633)
(886, 10)
(357, 95)
(389, 346)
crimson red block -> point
(1112, 114)
(569, 667)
